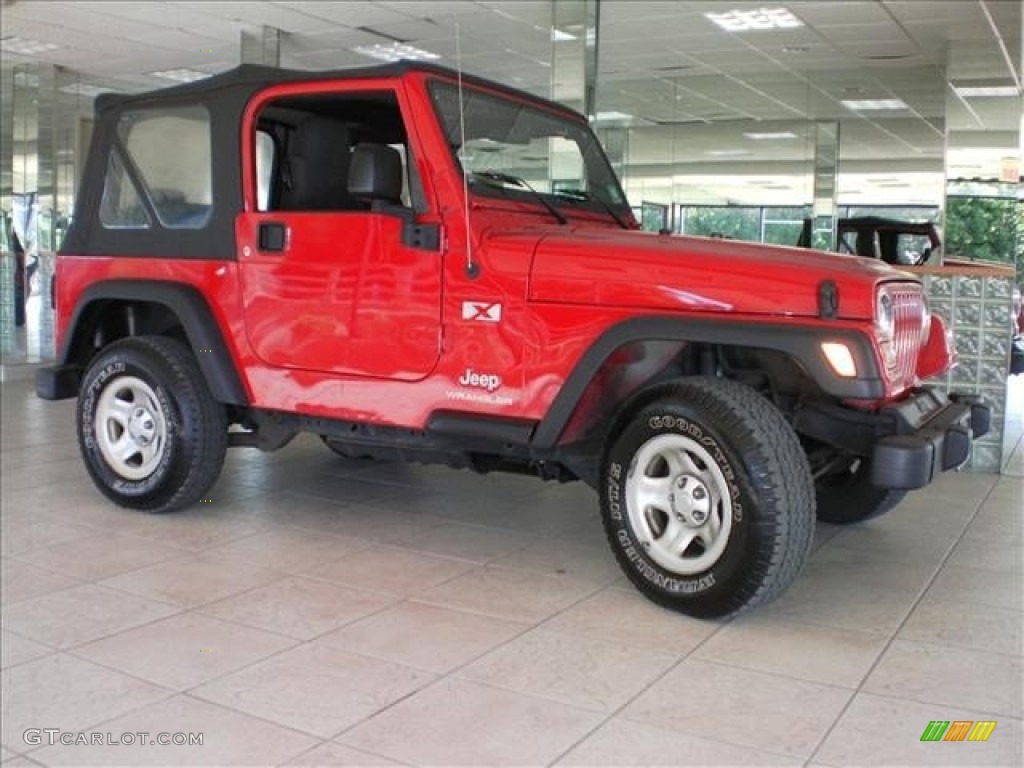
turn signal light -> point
(840, 358)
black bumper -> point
(908, 443)
(58, 382)
(942, 442)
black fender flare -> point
(801, 342)
(196, 317)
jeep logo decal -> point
(488, 381)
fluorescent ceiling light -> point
(560, 35)
(395, 52)
(865, 105)
(24, 46)
(726, 152)
(759, 19)
(982, 91)
(181, 75)
(606, 117)
(768, 136)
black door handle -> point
(272, 236)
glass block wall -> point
(978, 308)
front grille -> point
(908, 311)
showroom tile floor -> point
(317, 611)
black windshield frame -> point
(504, 113)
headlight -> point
(926, 320)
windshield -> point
(558, 157)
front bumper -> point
(941, 443)
(908, 443)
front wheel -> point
(150, 432)
(707, 498)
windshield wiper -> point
(494, 177)
(579, 194)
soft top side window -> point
(161, 163)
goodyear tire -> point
(151, 435)
(706, 497)
(846, 497)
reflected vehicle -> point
(894, 242)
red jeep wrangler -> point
(424, 267)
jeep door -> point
(335, 282)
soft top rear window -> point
(160, 164)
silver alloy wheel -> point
(130, 428)
(678, 504)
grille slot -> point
(908, 312)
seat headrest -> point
(375, 173)
(318, 165)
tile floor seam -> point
(481, 563)
(186, 694)
(170, 693)
(980, 710)
(759, 671)
(722, 625)
(361, 750)
(307, 640)
(122, 672)
(164, 601)
(48, 594)
(903, 622)
(290, 761)
(261, 563)
(177, 611)
(93, 580)
(332, 583)
(451, 674)
(193, 693)
(432, 604)
(299, 644)
(125, 593)
(350, 505)
(191, 689)
(428, 553)
(23, 636)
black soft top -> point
(251, 78)
(225, 96)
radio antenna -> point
(472, 270)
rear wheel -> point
(150, 432)
(707, 497)
(847, 496)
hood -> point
(685, 273)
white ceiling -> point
(662, 62)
